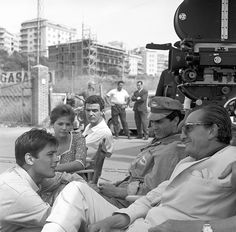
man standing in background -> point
(119, 100)
(140, 110)
(89, 91)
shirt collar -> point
(94, 128)
(24, 175)
(214, 151)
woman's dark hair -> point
(32, 142)
(216, 114)
(95, 99)
(61, 111)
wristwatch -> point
(207, 228)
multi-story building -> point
(36, 35)
(86, 57)
(150, 62)
(136, 64)
(154, 61)
(8, 41)
(162, 63)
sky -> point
(133, 22)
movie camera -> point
(203, 62)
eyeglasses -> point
(188, 127)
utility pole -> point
(38, 30)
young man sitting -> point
(21, 207)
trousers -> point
(79, 205)
(140, 118)
(116, 112)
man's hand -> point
(108, 190)
(117, 221)
(178, 226)
(94, 187)
(231, 168)
(99, 227)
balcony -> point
(23, 47)
(24, 42)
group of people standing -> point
(119, 100)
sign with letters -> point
(9, 78)
(17, 77)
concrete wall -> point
(40, 93)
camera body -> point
(203, 62)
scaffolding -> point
(86, 57)
(89, 52)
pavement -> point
(114, 168)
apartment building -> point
(162, 62)
(8, 41)
(154, 61)
(150, 62)
(38, 35)
(86, 57)
(135, 64)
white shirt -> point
(95, 135)
(118, 97)
(20, 205)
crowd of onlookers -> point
(183, 179)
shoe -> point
(145, 137)
(128, 136)
(139, 137)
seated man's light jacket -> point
(95, 135)
(193, 192)
(20, 204)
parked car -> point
(129, 116)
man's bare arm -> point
(110, 190)
(117, 221)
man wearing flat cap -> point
(157, 160)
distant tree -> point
(44, 61)
(3, 57)
(18, 61)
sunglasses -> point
(188, 127)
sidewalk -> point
(114, 171)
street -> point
(114, 168)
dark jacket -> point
(140, 99)
(167, 87)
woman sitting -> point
(72, 147)
(72, 152)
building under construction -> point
(86, 57)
